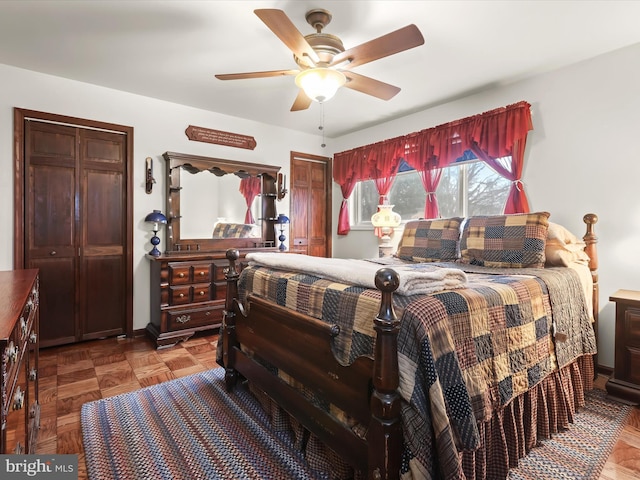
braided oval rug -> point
(580, 452)
(188, 428)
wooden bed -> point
(260, 339)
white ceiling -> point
(170, 50)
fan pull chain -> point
(321, 127)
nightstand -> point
(625, 381)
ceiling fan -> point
(323, 60)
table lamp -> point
(386, 220)
(156, 217)
(282, 220)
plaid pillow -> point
(516, 241)
(232, 230)
(430, 240)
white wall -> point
(158, 127)
(582, 157)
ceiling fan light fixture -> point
(320, 84)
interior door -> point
(310, 228)
(102, 234)
(76, 229)
(50, 225)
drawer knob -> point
(183, 318)
(201, 293)
(225, 270)
(181, 295)
(12, 352)
(181, 275)
(18, 399)
(23, 325)
(33, 338)
(201, 274)
(33, 374)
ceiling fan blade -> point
(302, 102)
(272, 73)
(370, 86)
(285, 30)
(394, 42)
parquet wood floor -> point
(74, 374)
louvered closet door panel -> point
(50, 225)
(102, 242)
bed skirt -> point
(544, 410)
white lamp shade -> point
(386, 217)
(320, 84)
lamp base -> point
(385, 247)
(385, 251)
(155, 241)
(282, 238)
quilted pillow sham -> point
(232, 230)
(515, 241)
(430, 240)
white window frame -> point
(354, 201)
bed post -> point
(228, 328)
(385, 432)
(591, 240)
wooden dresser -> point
(19, 342)
(625, 382)
(187, 295)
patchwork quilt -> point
(462, 353)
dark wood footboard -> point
(301, 346)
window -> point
(467, 187)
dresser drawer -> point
(201, 273)
(180, 295)
(632, 326)
(13, 352)
(201, 293)
(219, 290)
(179, 274)
(220, 268)
(197, 317)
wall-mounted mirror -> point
(207, 203)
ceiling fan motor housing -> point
(325, 45)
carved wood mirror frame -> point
(175, 162)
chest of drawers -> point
(19, 315)
(187, 295)
(625, 382)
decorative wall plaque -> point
(200, 134)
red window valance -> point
(492, 135)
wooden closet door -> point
(75, 230)
(310, 229)
(51, 239)
(102, 234)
